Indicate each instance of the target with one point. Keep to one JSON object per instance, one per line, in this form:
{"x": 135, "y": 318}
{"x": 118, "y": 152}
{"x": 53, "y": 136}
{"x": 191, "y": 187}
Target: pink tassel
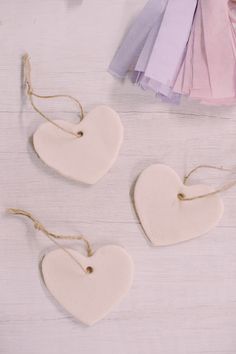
{"x": 208, "y": 72}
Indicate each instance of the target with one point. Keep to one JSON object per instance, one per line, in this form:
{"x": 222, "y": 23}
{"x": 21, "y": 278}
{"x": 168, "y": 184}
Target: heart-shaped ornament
{"x": 88, "y": 157}
{"x": 88, "y": 296}
{"x": 165, "y": 218}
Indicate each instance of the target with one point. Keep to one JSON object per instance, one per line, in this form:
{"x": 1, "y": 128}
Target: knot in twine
{"x": 52, "y": 236}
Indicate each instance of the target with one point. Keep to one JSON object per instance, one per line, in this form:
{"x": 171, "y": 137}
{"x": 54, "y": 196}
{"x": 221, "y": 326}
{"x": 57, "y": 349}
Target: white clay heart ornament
{"x": 86, "y": 158}
{"x": 88, "y": 296}
{"x": 165, "y": 218}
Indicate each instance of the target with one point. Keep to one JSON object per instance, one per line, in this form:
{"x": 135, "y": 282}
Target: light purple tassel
{"x": 170, "y": 46}
{"x": 130, "y": 49}
{"x": 154, "y": 47}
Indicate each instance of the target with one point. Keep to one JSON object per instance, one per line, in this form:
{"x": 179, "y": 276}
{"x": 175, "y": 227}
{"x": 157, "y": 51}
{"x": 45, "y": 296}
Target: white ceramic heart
{"x": 87, "y": 158}
{"x": 167, "y": 220}
{"x": 88, "y": 297}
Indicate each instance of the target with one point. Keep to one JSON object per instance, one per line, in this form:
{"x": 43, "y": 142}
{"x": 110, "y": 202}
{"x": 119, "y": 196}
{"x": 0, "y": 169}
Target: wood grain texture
{"x": 183, "y": 300}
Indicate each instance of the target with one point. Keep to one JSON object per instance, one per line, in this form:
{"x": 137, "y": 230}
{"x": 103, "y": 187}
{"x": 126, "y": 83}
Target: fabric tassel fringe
{"x": 182, "y": 48}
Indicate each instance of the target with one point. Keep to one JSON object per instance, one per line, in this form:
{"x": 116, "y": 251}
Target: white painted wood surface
{"x": 183, "y": 300}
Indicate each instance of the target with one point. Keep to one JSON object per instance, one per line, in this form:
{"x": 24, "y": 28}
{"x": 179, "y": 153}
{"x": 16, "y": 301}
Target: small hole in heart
{"x": 80, "y": 134}
{"x": 89, "y": 270}
{"x": 181, "y": 196}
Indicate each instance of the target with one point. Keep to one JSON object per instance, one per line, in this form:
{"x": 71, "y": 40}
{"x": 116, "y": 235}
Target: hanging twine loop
{"x": 227, "y": 186}
{"x": 30, "y": 93}
{"x": 54, "y": 237}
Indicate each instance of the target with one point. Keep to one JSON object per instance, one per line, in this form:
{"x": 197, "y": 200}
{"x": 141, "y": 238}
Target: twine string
{"x": 30, "y": 92}
{"x": 224, "y": 188}
{"x": 54, "y": 237}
